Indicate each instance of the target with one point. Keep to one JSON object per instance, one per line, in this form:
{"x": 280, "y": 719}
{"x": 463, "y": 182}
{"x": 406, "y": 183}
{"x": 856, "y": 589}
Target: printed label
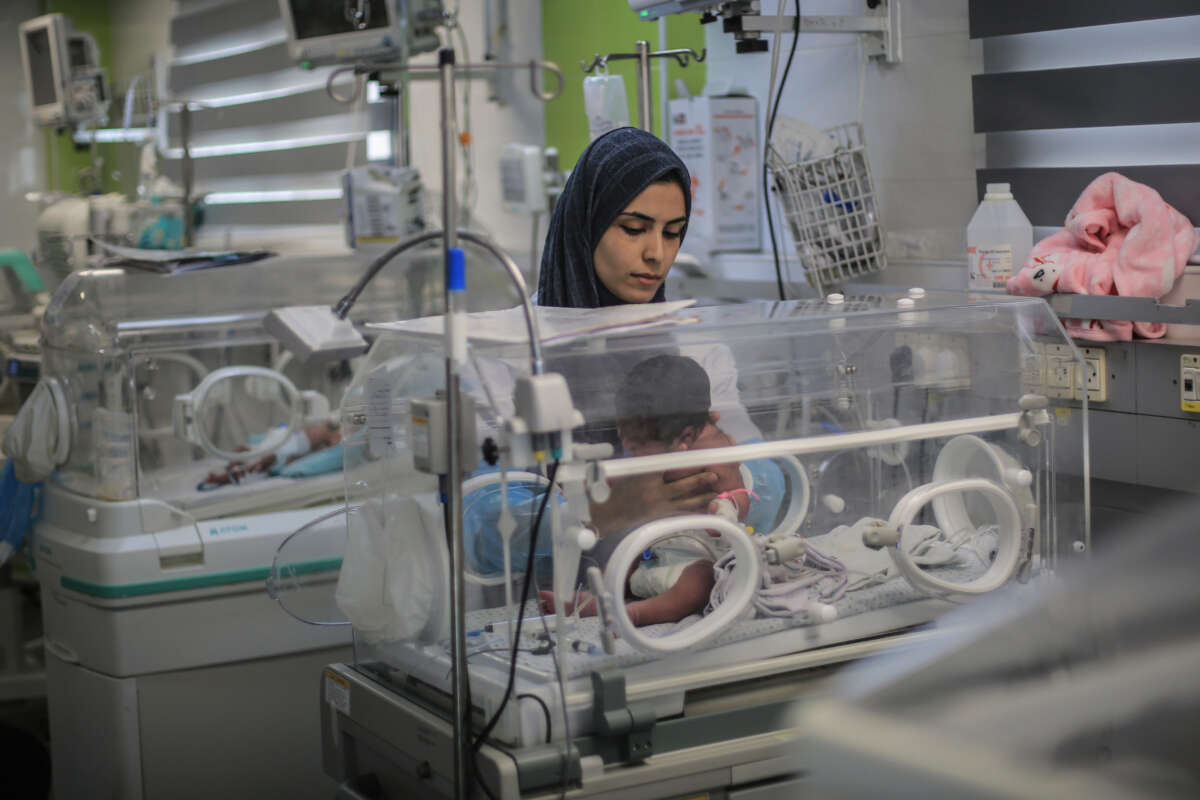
{"x": 990, "y": 265}
{"x": 337, "y": 692}
{"x": 379, "y": 414}
{"x": 1062, "y": 416}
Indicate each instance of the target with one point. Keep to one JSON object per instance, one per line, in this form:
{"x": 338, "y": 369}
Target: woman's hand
{"x": 641, "y": 498}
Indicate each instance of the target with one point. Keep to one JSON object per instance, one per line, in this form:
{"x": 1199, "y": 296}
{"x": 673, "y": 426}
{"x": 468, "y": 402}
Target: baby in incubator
{"x": 663, "y": 406}
{"x": 308, "y": 440}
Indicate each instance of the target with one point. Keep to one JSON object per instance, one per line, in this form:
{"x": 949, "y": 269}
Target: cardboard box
{"x": 717, "y": 137}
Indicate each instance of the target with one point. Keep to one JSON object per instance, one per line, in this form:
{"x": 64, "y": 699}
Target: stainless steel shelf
{"x": 1135, "y": 309}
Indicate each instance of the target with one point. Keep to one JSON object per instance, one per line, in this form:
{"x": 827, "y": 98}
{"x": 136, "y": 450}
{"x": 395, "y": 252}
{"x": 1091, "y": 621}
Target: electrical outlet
{"x": 1060, "y": 371}
{"x": 1033, "y": 368}
{"x": 1189, "y": 382}
{"x": 1095, "y": 378}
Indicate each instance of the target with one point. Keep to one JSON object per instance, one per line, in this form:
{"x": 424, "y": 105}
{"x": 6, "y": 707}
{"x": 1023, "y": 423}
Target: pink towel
{"x": 1122, "y": 238}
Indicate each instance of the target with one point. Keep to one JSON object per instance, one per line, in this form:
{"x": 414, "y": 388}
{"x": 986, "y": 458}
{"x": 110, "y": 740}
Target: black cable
{"x": 512, "y": 666}
{"x": 773, "y": 110}
{"x": 545, "y": 710}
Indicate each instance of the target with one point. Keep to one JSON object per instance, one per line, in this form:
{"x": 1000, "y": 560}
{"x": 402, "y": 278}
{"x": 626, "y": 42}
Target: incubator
{"x": 875, "y": 462}
{"x": 181, "y": 445}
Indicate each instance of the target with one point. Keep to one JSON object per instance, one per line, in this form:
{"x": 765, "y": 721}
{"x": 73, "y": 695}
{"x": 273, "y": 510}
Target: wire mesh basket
{"x": 830, "y": 204}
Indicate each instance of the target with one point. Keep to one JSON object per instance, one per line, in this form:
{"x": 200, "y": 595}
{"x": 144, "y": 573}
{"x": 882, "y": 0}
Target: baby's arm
{"x": 688, "y": 596}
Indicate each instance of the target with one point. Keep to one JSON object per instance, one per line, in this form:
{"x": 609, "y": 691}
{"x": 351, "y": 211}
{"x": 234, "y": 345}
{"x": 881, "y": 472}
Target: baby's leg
{"x": 688, "y": 596}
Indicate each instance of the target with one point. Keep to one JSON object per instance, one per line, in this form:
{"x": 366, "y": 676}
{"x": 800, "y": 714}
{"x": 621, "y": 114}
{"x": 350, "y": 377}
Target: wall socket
{"x": 1050, "y": 369}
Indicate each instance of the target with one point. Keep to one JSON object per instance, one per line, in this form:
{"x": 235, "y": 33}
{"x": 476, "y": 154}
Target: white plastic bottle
{"x": 999, "y": 238}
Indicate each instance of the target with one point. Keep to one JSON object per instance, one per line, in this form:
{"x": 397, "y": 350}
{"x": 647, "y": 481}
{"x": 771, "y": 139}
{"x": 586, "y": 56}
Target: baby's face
{"x": 729, "y": 476}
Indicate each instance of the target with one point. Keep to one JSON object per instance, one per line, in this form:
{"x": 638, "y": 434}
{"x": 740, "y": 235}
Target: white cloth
{"x": 392, "y": 582}
{"x": 865, "y": 566}
{"x": 35, "y": 441}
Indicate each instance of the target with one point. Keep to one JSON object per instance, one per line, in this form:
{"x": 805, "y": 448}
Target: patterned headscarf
{"x": 612, "y": 171}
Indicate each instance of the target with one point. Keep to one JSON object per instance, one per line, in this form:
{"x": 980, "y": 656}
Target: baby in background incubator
{"x": 663, "y": 406}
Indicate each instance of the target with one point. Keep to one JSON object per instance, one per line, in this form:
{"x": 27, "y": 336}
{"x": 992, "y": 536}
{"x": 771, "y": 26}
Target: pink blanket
{"x": 1122, "y": 238}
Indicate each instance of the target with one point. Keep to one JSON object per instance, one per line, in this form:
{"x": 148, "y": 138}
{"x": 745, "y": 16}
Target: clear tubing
{"x": 342, "y": 308}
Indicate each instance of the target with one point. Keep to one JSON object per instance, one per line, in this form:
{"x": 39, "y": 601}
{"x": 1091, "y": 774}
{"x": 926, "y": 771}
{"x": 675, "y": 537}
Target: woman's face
{"x": 636, "y": 252}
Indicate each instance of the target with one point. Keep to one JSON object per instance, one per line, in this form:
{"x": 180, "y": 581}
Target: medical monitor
{"x": 45, "y": 54}
{"x": 325, "y": 32}
{"x": 653, "y": 9}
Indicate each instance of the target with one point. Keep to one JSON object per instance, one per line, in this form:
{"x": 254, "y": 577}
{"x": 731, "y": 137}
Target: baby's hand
{"x": 587, "y": 604}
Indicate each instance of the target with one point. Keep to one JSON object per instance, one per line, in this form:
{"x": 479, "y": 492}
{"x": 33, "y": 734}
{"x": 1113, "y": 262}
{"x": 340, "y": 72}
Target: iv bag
{"x": 605, "y": 103}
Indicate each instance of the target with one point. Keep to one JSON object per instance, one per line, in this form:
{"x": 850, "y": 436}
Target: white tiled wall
{"x": 916, "y": 115}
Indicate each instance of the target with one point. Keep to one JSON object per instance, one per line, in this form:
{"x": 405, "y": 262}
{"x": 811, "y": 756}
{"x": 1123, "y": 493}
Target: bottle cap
{"x": 998, "y": 191}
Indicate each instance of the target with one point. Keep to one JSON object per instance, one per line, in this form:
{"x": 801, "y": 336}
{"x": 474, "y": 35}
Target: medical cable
{"x": 545, "y": 710}
{"x": 334, "y": 96}
{"x": 525, "y": 584}
{"x": 862, "y": 78}
{"x": 562, "y": 688}
{"x": 775, "y": 51}
{"x": 342, "y": 308}
{"x": 515, "y": 631}
{"x": 770, "y": 129}
{"x": 507, "y": 526}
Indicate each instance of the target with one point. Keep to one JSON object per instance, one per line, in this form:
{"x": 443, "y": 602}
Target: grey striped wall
{"x": 1074, "y": 88}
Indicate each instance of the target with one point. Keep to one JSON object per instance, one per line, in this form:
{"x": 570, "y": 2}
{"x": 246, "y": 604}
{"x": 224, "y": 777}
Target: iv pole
{"x": 643, "y": 55}
{"x": 455, "y": 346}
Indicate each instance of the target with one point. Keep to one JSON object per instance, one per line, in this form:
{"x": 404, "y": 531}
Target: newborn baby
{"x": 664, "y": 406}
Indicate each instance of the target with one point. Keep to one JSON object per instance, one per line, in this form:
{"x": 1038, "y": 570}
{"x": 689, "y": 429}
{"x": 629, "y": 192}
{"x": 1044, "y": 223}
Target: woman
{"x": 613, "y": 237}
{"x": 618, "y": 225}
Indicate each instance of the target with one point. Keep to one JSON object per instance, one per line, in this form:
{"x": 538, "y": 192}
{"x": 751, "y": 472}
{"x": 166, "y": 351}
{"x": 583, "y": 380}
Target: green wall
{"x": 63, "y": 159}
{"x": 577, "y": 30}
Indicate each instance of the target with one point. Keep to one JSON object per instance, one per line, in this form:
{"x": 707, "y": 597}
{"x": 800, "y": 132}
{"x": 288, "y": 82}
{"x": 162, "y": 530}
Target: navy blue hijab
{"x": 612, "y": 171}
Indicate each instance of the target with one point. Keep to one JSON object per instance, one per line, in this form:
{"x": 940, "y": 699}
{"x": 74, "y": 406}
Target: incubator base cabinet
{"x": 184, "y": 449}
{"x": 865, "y": 467}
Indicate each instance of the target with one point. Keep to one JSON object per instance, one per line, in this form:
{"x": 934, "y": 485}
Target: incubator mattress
{"x": 896, "y": 592}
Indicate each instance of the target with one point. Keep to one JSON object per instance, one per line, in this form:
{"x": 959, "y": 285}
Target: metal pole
{"x": 453, "y": 482}
{"x": 663, "y": 94}
{"x": 185, "y": 127}
{"x": 403, "y": 121}
{"x": 645, "y": 117}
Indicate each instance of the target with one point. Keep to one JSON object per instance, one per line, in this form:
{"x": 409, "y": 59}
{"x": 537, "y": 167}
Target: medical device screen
{"x": 78, "y": 53}
{"x": 41, "y": 67}
{"x": 314, "y": 18}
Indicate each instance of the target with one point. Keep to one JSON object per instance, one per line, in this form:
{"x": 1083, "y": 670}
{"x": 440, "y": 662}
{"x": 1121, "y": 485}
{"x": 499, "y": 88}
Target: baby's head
{"x": 663, "y": 405}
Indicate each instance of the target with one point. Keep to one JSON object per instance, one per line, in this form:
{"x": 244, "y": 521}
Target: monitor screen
{"x": 41, "y": 67}
{"x": 78, "y": 53}
{"x": 315, "y": 18}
